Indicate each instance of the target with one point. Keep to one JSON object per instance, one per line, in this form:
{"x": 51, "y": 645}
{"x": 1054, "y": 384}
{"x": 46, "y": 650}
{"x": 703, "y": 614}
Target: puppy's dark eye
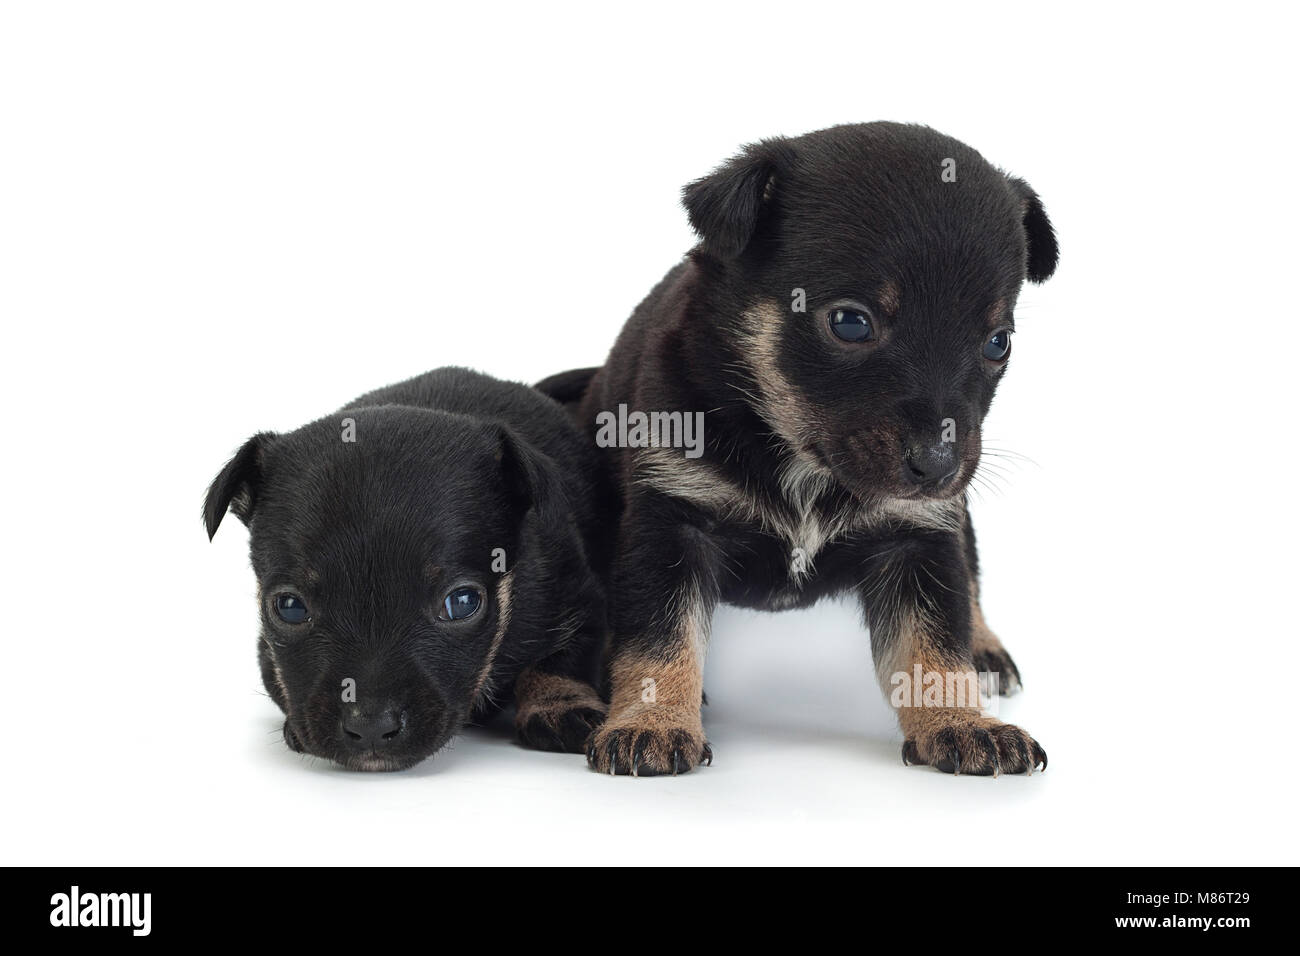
{"x": 460, "y": 604}
{"x": 998, "y": 347}
{"x": 852, "y": 325}
{"x": 291, "y": 609}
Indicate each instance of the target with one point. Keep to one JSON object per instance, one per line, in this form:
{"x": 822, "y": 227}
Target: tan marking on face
{"x": 997, "y": 313}
{"x": 779, "y": 403}
{"x": 889, "y": 298}
{"x": 483, "y": 687}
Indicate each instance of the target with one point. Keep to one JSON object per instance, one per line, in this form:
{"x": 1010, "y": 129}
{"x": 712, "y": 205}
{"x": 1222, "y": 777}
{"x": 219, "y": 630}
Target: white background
{"x": 224, "y": 218}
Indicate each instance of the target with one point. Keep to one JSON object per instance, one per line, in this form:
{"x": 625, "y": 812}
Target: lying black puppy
{"x": 842, "y": 325}
{"x": 419, "y": 554}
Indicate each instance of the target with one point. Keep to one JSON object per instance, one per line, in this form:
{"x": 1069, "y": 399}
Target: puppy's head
{"x": 379, "y": 538}
{"x": 868, "y": 276}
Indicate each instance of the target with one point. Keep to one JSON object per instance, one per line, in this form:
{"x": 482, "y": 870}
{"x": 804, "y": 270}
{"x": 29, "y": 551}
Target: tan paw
{"x": 649, "y": 749}
{"x": 556, "y": 713}
{"x": 562, "y": 731}
{"x": 967, "y": 743}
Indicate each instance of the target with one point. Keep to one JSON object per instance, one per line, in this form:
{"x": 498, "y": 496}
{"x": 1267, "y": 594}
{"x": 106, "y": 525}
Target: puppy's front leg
{"x": 918, "y": 602}
{"x": 555, "y": 709}
{"x": 663, "y": 600}
{"x": 989, "y": 655}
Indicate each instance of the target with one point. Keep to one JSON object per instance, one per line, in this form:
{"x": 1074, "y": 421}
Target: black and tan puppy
{"x": 842, "y": 324}
{"x": 421, "y": 554}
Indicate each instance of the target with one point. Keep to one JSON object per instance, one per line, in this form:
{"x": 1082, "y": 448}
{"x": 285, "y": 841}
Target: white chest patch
{"x": 804, "y": 530}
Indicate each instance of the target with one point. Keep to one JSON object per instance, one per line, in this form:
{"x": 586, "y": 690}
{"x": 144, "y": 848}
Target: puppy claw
{"x": 910, "y": 756}
{"x": 638, "y": 751}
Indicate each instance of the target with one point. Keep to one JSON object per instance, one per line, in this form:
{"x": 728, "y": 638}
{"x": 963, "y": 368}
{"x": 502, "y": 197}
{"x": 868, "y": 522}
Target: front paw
{"x": 560, "y": 731}
{"x": 971, "y": 744}
{"x": 647, "y": 750}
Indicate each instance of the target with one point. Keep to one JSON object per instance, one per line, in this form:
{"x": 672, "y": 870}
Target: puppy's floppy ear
{"x": 531, "y": 478}
{"x": 1039, "y": 234}
{"x": 237, "y": 485}
{"x": 726, "y": 206}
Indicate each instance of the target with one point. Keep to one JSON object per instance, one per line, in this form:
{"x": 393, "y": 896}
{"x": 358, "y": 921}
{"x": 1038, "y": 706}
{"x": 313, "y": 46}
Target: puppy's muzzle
{"x": 929, "y": 465}
{"x": 371, "y": 732}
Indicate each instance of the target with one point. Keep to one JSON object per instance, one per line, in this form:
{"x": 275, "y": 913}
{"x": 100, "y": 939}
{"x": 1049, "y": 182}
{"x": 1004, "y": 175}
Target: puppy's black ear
{"x": 237, "y": 486}
{"x": 531, "y": 478}
{"x": 1039, "y": 234}
{"x": 727, "y": 206}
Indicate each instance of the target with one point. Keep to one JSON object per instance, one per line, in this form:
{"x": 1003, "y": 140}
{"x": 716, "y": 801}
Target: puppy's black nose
{"x": 371, "y": 731}
{"x": 929, "y": 463}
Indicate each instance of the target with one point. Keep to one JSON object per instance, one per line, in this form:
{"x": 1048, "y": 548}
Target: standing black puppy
{"x": 843, "y": 323}
{"x": 419, "y": 555}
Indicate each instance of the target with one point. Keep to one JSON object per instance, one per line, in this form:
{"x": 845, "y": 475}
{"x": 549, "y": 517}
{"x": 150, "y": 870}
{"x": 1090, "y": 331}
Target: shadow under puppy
{"x": 842, "y": 324}
{"x": 419, "y": 555}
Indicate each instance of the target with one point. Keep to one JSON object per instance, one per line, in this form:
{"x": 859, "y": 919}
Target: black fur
{"x": 860, "y": 214}
{"x": 373, "y": 533}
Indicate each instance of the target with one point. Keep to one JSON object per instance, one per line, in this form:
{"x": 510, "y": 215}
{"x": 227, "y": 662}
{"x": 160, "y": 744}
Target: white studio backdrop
{"x": 218, "y": 219}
